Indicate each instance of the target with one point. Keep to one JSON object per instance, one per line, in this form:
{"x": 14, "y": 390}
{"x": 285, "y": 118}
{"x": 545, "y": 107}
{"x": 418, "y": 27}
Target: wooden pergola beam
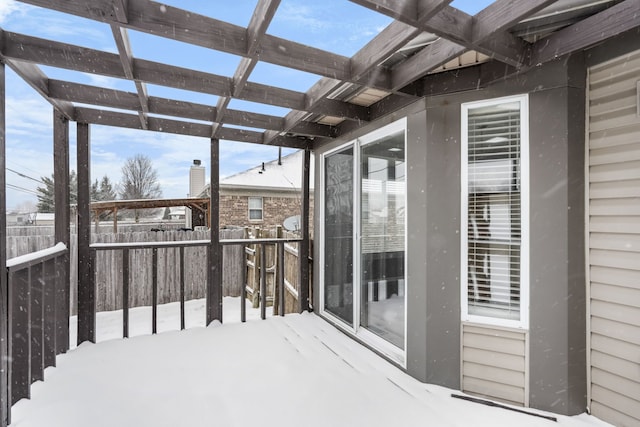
{"x": 499, "y": 14}
{"x": 35, "y": 50}
{"x": 260, "y": 20}
{"x": 610, "y": 22}
{"x": 188, "y": 27}
{"x": 365, "y": 62}
{"x": 35, "y": 78}
{"x": 110, "y": 205}
{"x": 485, "y": 33}
{"x": 117, "y": 119}
{"x": 126, "y": 57}
{"x": 113, "y": 98}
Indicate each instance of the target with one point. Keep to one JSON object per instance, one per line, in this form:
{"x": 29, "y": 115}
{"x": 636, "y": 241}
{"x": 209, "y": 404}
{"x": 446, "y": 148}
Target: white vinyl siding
{"x": 255, "y": 208}
{"x": 494, "y": 363}
{"x": 494, "y": 196}
{"x": 614, "y": 240}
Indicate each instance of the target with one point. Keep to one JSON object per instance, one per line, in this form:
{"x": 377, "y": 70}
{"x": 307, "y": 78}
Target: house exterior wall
{"x": 548, "y": 360}
{"x": 613, "y": 229}
{"x": 553, "y": 375}
{"x": 234, "y": 209}
{"x": 556, "y": 359}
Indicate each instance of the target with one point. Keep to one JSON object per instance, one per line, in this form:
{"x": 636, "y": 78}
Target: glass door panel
{"x": 338, "y": 235}
{"x": 382, "y": 243}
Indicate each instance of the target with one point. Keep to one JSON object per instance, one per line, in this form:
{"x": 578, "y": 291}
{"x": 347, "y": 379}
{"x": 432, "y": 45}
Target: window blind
{"x": 494, "y": 211}
{"x": 255, "y": 207}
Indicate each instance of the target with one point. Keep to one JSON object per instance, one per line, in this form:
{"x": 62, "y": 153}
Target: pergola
{"x": 429, "y": 48}
{"x": 113, "y": 206}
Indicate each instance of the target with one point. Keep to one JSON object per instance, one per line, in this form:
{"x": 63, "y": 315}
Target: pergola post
{"x": 303, "y": 294}
{"x": 86, "y": 276}
{"x": 5, "y": 406}
{"x": 62, "y": 221}
{"x": 214, "y": 278}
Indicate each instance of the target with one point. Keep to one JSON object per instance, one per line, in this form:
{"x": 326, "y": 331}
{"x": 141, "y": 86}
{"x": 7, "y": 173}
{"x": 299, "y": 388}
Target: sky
{"x": 224, "y": 383}
{"x": 335, "y": 25}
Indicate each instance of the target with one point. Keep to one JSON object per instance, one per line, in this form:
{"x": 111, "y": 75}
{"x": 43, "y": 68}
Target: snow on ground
{"x": 296, "y": 370}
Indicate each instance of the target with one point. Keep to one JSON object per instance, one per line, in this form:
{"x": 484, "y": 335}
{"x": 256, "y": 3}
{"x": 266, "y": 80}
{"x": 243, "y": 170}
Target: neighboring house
{"x": 177, "y": 213}
{"x": 197, "y": 179}
{"x": 263, "y": 196}
{"x": 18, "y": 218}
{"x": 40, "y": 218}
{"x": 451, "y": 237}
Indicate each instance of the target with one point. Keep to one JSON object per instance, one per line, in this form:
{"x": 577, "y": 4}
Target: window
{"x": 255, "y": 208}
{"x": 495, "y": 212}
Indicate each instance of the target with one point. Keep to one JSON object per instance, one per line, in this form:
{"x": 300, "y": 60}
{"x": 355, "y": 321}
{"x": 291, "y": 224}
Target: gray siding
{"x": 494, "y": 363}
{"x": 614, "y": 240}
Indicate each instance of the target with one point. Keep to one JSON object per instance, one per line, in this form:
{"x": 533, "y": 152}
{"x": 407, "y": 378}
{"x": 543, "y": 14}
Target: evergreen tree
{"x": 46, "y": 202}
{"x": 103, "y": 191}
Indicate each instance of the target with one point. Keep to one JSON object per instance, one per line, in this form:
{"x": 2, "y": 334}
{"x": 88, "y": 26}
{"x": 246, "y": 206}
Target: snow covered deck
{"x": 296, "y": 370}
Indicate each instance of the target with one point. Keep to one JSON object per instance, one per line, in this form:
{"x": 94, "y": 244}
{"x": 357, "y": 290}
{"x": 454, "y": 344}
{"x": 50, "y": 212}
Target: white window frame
{"x": 384, "y": 347}
{"x": 249, "y": 209}
{"x": 523, "y": 322}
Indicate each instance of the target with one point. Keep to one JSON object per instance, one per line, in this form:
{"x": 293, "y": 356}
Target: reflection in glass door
{"x": 338, "y": 235}
{"x": 382, "y": 243}
{"x": 363, "y": 265}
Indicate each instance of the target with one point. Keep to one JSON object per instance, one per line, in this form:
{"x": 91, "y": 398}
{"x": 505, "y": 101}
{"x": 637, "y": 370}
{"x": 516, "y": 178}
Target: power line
{"x": 25, "y": 167}
{"x": 22, "y": 189}
{"x": 24, "y": 176}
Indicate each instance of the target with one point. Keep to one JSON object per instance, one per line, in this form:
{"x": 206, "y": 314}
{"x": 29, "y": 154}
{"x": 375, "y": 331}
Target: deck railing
{"x": 38, "y": 302}
{"x": 181, "y": 245}
{"x": 38, "y": 318}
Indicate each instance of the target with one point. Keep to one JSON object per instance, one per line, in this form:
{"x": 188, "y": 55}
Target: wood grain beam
{"x": 112, "y": 98}
{"x": 120, "y": 10}
{"x": 188, "y": 27}
{"x": 460, "y": 28}
{"x": 365, "y": 62}
{"x": 35, "y": 78}
{"x": 491, "y": 40}
{"x": 260, "y": 20}
{"x": 32, "y": 49}
{"x": 117, "y": 119}
{"x": 126, "y": 57}
{"x": 610, "y": 22}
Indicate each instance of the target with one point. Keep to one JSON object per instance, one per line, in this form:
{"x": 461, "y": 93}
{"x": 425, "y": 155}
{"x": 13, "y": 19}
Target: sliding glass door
{"x": 338, "y": 235}
{"x": 364, "y": 237}
{"x": 382, "y": 202}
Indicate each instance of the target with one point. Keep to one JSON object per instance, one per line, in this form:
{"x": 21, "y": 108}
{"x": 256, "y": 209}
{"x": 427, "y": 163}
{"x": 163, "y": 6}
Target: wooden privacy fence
{"x": 181, "y": 269}
{"x": 265, "y": 266}
{"x": 38, "y": 319}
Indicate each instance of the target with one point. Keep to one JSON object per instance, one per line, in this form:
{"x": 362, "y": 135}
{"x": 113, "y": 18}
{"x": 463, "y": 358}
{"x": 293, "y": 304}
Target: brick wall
{"x": 234, "y": 210}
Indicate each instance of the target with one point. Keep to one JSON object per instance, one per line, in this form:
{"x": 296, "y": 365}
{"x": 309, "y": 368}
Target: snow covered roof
{"x": 286, "y": 176}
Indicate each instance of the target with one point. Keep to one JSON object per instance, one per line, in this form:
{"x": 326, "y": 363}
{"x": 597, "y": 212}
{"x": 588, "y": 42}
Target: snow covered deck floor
{"x": 292, "y": 371}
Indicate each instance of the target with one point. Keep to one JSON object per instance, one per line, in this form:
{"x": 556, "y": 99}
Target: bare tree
{"x": 139, "y": 180}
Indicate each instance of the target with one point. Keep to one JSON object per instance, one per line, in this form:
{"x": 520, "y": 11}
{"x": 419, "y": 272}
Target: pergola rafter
{"x": 387, "y": 72}
{"x": 126, "y": 56}
{"x": 260, "y": 20}
{"x": 590, "y": 31}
